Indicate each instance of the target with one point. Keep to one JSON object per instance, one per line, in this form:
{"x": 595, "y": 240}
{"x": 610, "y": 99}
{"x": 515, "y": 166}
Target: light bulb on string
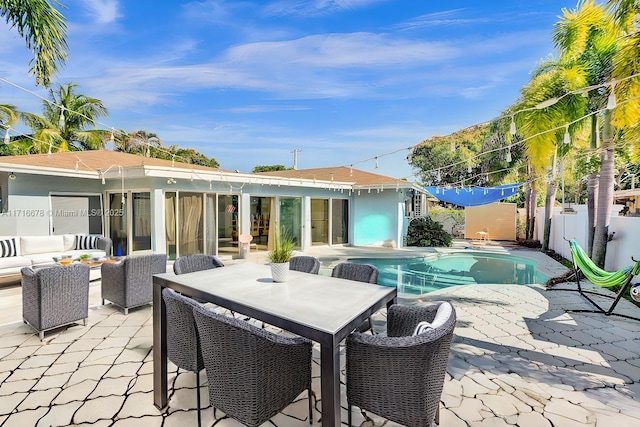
{"x": 49, "y": 153}
{"x": 469, "y": 170}
{"x": 112, "y": 137}
{"x": 7, "y": 136}
{"x": 61, "y": 119}
{"x": 567, "y": 137}
{"x": 376, "y": 162}
{"x": 509, "y": 155}
{"x": 611, "y": 100}
{"x": 512, "y": 128}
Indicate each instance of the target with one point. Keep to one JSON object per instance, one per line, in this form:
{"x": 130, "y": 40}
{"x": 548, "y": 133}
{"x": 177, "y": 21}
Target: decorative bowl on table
{"x": 65, "y": 261}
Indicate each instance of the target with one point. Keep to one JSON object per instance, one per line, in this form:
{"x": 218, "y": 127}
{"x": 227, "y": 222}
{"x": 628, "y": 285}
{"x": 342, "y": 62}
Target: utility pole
{"x": 295, "y": 157}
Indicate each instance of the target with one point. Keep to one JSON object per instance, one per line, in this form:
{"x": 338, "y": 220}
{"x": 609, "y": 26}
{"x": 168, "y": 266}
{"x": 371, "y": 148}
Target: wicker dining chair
{"x": 353, "y": 271}
{"x": 183, "y": 345}
{"x": 129, "y": 283}
{"x": 55, "y": 296}
{"x": 195, "y": 262}
{"x": 366, "y": 273}
{"x": 253, "y": 374}
{"x": 305, "y": 264}
{"x": 400, "y": 377}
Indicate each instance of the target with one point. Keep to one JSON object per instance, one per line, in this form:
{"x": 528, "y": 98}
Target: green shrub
{"x": 427, "y": 232}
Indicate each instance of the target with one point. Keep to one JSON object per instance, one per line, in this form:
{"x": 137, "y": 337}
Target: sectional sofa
{"x": 38, "y": 251}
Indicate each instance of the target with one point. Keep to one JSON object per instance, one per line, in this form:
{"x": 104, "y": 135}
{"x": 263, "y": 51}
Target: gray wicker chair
{"x": 183, "y": 345}
{"x": 55, "y": 296}
{"x": 195, "y": 262}
{"x": 305, "y": 264}
{"x": 104, "y": 243}
{"x": 129, "y": 283}
{"x": 360, "y": 273}
{"x": 253, "y": 374}
{"x": 400, "y": 377}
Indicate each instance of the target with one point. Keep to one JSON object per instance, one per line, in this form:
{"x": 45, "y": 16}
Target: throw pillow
{"x": 442, "y": 314}
{"x": 86, "y": 242}
{"x": 8, "y": 248}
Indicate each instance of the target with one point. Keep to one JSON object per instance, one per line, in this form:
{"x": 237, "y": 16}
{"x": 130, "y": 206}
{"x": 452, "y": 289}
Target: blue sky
{"x": 247, "y": 82}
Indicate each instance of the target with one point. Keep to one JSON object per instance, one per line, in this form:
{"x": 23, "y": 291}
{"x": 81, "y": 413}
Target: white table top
{"x": 324, "y": 303}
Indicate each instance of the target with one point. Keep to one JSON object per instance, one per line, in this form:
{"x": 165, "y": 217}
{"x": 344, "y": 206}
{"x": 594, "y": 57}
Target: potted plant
{"x": 280, "y": 256}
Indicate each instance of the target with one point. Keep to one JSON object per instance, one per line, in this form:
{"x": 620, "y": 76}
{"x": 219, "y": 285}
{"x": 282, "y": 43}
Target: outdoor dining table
{"x": 321, "y": 308}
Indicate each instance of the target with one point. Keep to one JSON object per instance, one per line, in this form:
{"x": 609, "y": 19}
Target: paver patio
{"x": 517, "y": 359}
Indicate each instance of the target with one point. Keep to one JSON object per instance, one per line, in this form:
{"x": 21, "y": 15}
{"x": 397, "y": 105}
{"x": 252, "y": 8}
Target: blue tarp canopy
{"x": 473, "y": 196}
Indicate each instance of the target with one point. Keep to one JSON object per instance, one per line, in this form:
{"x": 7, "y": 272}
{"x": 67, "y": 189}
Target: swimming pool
{"x": 419, "y": 275}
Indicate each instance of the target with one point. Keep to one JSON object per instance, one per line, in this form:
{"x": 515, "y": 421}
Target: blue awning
{"x": 473, "y": 196}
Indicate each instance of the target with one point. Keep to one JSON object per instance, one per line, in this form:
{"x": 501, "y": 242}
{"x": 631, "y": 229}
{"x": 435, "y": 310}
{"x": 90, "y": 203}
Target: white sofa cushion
{"x": 41, "y": 244}
{"x": 69, "y": 242}
{"x": 14, "y": 262}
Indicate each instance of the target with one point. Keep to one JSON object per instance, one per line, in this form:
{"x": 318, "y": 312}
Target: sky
{"x": 249, "y": 82}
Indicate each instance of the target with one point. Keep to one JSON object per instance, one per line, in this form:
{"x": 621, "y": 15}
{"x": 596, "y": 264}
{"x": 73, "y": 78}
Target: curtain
{"x": 190, "y": 224}
{"x": 273, "y": 223}
{"x": 170, "y": 217}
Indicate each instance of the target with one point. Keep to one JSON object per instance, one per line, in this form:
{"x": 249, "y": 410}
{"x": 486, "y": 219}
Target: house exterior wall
{"x": 376, "y": 218}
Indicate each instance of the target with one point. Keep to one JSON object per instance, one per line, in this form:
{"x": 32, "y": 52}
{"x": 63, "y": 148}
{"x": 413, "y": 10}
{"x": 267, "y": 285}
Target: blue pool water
{"x": 419, "y": 275}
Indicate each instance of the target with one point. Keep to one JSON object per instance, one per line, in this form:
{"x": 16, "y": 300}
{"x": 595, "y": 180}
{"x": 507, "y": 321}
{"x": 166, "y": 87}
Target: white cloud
{"x": 103, "y": 11}
{"x": 314, "y": 7}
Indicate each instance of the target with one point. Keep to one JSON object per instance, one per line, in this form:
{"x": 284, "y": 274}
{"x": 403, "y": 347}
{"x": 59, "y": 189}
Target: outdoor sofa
{"x": 17, "y": 252}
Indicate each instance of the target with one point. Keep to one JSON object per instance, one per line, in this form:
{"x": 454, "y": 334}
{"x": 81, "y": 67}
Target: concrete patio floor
{"x": 517, "y": 359}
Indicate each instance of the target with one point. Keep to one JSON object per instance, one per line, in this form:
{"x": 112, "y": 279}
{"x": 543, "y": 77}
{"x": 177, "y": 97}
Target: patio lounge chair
{"x": 306, "y": 264}
{"x": 129, "y": 283}
{"x": 400, "y": 377}
{"x": 55, "y": 296}
{"x": 183, "y": 345}
{"x": 623, "y": 277}
{"x": 253, "y": 374}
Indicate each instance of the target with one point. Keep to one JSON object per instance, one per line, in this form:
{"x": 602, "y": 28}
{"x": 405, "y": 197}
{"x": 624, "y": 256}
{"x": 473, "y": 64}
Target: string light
{"x": 112, "y": 137}
{"x": 7, "y": 137}
{"x": 61, "y": 119}
{"x": 49, "y": 153}
{"x": 509, "y": 155}
{"x": 512, "y": 127}
{"x": 567, "y": 137}
{"x": 376, "y": 162}
{"x": 611, "y": 100}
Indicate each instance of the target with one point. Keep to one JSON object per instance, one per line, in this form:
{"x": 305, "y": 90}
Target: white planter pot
{"x": 280, "y": 272}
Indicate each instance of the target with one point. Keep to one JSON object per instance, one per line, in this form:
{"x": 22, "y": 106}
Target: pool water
{"x": 419, "y": 275}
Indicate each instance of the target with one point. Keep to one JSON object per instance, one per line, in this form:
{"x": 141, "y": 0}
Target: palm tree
{"x": 588, "y": 36}
{"x": 45, "y": 32}
{"x": 553, "y": 79}
{"x": 64, "y": 121}
{"x": 9, "y": 116}
{"x": 137, "y": 142}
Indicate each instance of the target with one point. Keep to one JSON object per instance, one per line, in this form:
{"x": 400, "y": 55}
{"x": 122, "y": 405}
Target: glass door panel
{"x": 339, "y": 221}
{"x": 170, "y": 223}
{"x": 319, "y": 221}
{"x": 118, "y": 223}
{"x": 291, "y": 218}
{"x": 141, "y": 221}
{"x": 228, "y": 223}
{"x": 260, "y": 214}
{"x": 210, "y": 224}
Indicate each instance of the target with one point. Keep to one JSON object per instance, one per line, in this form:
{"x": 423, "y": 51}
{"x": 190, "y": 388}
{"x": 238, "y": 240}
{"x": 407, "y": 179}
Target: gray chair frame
{"x": 305, "y": 264}
{"x": 195, "y": 262}
{"x": 55, "y": 296}
{"x": 104, "y": 243}
{"x": 400, "y": 377}
{"x": 183, "y": 344}
{"x": 129, "y": 283}
{"x": 253, "y": 374}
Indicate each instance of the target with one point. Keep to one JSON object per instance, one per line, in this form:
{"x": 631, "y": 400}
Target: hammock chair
{"x": 605, "y": 279}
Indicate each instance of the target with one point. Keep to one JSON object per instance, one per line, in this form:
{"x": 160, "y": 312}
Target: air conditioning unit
{"x": 417, "y": 206}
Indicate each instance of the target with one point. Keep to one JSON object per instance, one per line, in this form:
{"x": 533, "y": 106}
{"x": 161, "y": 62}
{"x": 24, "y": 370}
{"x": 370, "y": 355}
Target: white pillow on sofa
{"x": 86, "y": 241}
{"x": 442, "y": 314}
{"x": 40, "y": 244}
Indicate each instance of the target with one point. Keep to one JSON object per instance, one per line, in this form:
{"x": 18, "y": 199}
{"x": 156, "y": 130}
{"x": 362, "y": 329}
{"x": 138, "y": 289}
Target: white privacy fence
{"x": 624, "y": 245}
